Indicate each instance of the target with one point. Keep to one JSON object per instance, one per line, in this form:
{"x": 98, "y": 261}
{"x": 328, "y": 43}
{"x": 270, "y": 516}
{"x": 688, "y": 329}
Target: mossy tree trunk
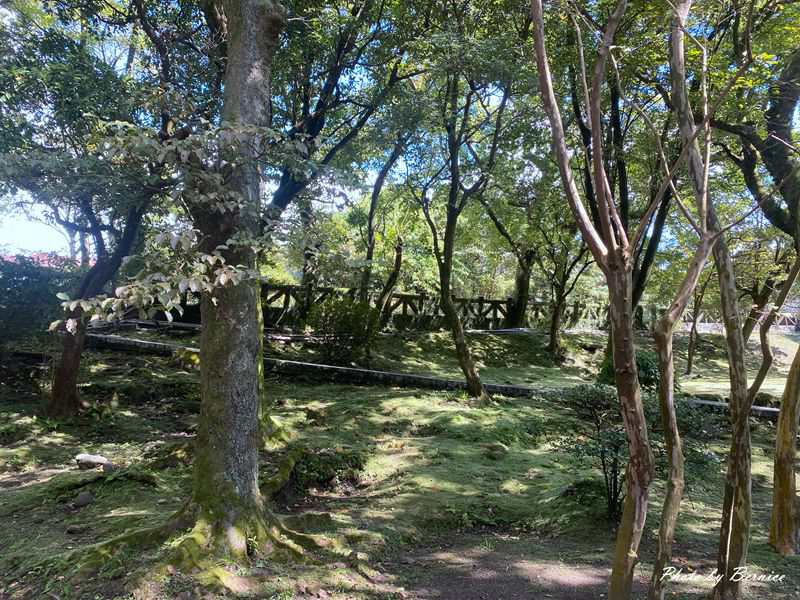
{"x": 64, "y": 400}
{"x": 518, "y": 307}
{"x": 226, "y": 499}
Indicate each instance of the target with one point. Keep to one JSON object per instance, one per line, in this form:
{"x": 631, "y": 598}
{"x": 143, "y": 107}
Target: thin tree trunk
{"x": 766, "y": 349}
{"x": 463, "y": 354}
{"x": 639, "y": 472}
{"x": 664, "y": 333}
{"x": 554, "y": 345}
{"x": 366, "y": 274}
{"x": 385, "y": 297}
{"x": 785, "y": 521}
{"x": 517, "y": 310}
{"x": 737, "y": 504}
{"x": 694, "y": 335}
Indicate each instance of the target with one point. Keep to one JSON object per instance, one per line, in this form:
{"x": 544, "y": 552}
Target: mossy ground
{"x": 522, "y": 359}
{"x": 423, "y": 484}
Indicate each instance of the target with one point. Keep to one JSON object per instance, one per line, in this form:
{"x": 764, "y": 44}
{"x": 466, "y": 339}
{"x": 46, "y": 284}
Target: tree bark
{"x": 64, "y": 399}
{"x": 463, "y": 354}
{"x": 377, "y": 187}
{"x": 640, "y": 469}
{"x": 554, "y": 345}
{"x": 612, "y": 254}
{"x": 737, "y": 504}
{"x": 784, "y": 520}
{"x": 225, "y": 496}
{"x": 518, "y": 308}
{"x": 663, "y": 334}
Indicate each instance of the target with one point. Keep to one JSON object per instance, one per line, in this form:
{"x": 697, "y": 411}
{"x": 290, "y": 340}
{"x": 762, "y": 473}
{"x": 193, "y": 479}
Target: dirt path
{"x": 492, "y": 566}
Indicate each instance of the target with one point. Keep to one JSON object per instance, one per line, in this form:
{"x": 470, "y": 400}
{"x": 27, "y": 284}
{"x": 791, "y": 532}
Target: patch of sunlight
{"x": 121, "y": 512}
{"x": 513, "y": 486}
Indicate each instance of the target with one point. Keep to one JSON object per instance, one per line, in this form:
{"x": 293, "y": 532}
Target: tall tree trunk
{"x": 366, "y": 274}
{"x": 225, "y": 496}
{"x": 664, "y": 332}
{"x": 518, "y": 308}
{"x": 785, "y": 521}
{"x": 385, "y": 297}
{"x": 737, "y": 503}
{"x": 554, "y": 345}
{"x": 639, "y": 472}
{"x": 463, "y": 354}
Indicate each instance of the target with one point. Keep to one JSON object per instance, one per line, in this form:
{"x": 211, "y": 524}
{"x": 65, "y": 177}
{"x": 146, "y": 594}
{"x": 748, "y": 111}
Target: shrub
{"x": 603, "y": 442}
{"x": 646, "y": 365}
{"x": 28, "y": 289}
{"x": 328, "y": 467}
{"x": 346, "y": 329}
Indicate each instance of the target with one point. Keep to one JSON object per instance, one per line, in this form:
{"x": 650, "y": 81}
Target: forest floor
{"x": 426, "y": 494}
{"x": 523, "y": 359}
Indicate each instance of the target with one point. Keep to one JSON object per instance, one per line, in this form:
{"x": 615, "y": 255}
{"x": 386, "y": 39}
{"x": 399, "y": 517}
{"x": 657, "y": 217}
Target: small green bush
{"x": 28, "y": 289}
{"x": 601, "y": 441}
{"x": 345, "y": 327}
{"x": 328, "y": 467}
{"x": 646, "y": 365}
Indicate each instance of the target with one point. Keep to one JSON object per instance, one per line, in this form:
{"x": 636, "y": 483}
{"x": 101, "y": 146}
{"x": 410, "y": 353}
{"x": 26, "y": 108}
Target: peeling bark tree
{"x": 612, "y": 251}
{"x": 699, "y": 164}
{"x": 784, "y": 520}
{"x": 777, "y": 154}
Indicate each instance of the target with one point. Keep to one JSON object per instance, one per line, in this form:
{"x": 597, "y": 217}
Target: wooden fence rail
{"x": 287, "y": 305}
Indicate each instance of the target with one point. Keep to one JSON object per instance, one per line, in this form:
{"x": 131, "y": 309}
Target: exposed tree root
{"x": 199, "y": 544}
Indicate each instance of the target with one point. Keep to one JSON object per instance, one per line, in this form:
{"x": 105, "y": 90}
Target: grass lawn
{"x": 522, "y": 359}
